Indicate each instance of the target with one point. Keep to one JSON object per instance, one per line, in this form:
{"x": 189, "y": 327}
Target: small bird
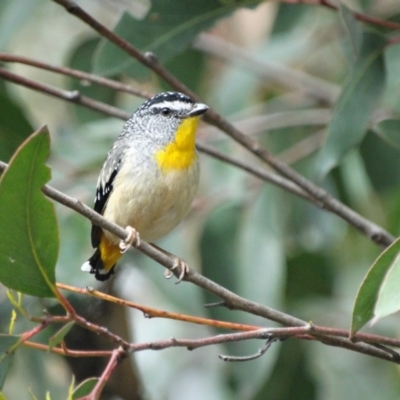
{"x": 149, "y": 177}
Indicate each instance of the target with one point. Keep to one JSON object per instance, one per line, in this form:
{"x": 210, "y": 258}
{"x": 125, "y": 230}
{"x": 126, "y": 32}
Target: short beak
{"x": 197, "y": 110}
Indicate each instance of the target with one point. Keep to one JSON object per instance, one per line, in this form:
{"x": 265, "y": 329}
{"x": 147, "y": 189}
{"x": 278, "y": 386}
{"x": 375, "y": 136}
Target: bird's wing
{"x": 105, "y": 186}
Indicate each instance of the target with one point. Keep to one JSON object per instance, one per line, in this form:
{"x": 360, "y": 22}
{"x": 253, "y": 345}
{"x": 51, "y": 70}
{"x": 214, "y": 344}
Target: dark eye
{"x": 165, "y": 111}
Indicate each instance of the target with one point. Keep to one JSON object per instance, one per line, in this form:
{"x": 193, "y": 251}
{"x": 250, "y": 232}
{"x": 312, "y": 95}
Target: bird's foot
{"x": 178, "y": 263}
{"x": 132, "y": 239}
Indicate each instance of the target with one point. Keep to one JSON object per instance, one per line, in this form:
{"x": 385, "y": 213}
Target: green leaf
{"x": 261, "y": 277}
{"x": 382, "y": 163}
{"x": 81, "y": 59}
{"x": 218, "y": 247}
{"x": 388, "y": 301}
{"x": 167, "y": 30}
{"x": 14, "y": 126}
{"x": 6, "y": 353}
{"x": 353, "y": 28}
{"x": 189, "y": 68}
{"x": 355, "y": 105}
{"x": 288, "y": 17}
{"x": 84, "y": 388}
{"x": 28, "y": 230}
{"x": 367, "y": 296}
{"x": 2, "y": 397}
{"x": 58, "y": 337}
{"x": 389, "y": 130}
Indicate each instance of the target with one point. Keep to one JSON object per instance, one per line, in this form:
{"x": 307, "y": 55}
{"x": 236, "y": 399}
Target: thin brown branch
{"x": 71, "y": 96}
{"x": 370, "y": 229}
{"x": 261, "y": 173}
{"x": 359, "y": 16}
{"x": 363, "y": 17}
{"x": 117, "y": 357}
{"x": 67, "y": 352}
{"x": 303, "y": 332}
{"x": 74, "y": 73}
{"x": 150, "y": 312}
{"x": 147, "y": 59}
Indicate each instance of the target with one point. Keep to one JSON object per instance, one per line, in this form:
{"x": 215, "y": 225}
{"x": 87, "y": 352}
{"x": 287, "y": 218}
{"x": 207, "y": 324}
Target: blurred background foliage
{"x": 275, "y": 70}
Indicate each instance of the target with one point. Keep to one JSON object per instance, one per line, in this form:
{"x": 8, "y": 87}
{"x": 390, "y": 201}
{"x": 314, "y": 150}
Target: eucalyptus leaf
{"x": 353, "y": 28}
{"x": 166, "y": 31}
{"x": 28, "y": 230}
{"x": 369, "y": 291}
{"x": 58, "y": 337}
{"x": 84, "y": 388}
{"x": 355, "y": 105}
{"x": 14, "y": 126}
{"x": 388, "y": 301}
{"x": 218, "y": 250}
{"x": 389, "y": 130}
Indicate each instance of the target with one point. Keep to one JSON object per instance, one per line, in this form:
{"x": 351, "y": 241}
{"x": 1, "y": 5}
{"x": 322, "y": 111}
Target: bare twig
{"x": 77, "y": 74}
{"x": 150, "y": 312}
{"x": 71, "y": 96}
{"x": 68, "y": 352}
{"x": 301, "y": 332}
{"x": 260, "y": 352}
{"x": 360, "y": 16}
{"x": 117, "y": 356}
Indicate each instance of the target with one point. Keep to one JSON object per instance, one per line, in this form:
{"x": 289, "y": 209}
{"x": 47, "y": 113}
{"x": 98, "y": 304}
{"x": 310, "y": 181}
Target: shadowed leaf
{"x": 355, "y": 105}
{"x": 58, "y": 337}
{"x": 389, "y": 130}
{"x": 6, "y": 353}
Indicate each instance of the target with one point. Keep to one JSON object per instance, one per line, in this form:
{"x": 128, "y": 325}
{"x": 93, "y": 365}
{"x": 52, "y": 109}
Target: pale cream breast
{"x": 154, "y": 202}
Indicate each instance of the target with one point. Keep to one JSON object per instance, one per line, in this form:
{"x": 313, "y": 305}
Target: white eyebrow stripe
{"x": 175, "y": 105}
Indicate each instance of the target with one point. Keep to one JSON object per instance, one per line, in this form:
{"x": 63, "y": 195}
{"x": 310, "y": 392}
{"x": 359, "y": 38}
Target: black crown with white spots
{"x": 166, "y": 97}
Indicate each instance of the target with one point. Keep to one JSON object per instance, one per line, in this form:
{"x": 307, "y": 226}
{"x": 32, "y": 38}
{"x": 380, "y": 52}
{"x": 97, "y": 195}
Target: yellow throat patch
{"x": 181, "y": 153}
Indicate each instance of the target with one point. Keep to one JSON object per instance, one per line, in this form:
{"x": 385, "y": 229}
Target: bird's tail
{"x": 103, "y": 260}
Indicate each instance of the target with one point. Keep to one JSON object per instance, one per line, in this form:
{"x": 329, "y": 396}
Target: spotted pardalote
{"x": 149, "y": 178}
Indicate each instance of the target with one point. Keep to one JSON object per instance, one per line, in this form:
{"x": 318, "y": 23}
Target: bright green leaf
{"x": 28, "y": 230}
{"x": 2, "y": 397}
{"x": 356, "y": 104}
{"x": 84, "y": 388}
{"x": 58, "y": 337}
{"x": 389, "y": 130}
{"x": 367, "y": 296}
{"x": 167, "y": 30}
{"x": 6, "y": 344}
